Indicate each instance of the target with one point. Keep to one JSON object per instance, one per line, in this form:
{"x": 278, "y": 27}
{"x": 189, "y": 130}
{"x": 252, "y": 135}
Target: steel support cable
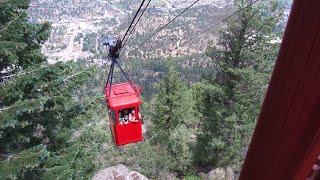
{"x": 218, "y": 23}
{"x": 108, "y": 78}
{"x": 134, "y": 18}
{"x": 164, "y": 26}
{"x": 127, "y": 77}
{"x": 111, "y": 73}
{"x": 134, "y": 27}
{"x": 111, "y": 77}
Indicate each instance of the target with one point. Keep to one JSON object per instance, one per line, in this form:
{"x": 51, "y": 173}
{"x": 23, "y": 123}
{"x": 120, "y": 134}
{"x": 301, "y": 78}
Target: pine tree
{"x": 173, "y": 111}
{"x": 39, "y": 108}
{"x": 230, "y": 100}
{"x": 170, "y": 106}
{"x": 20, "y": 41}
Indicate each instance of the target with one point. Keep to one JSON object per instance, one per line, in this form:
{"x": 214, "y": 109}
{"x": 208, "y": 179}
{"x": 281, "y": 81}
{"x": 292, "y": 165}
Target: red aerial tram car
{"x": 123, "y": 101}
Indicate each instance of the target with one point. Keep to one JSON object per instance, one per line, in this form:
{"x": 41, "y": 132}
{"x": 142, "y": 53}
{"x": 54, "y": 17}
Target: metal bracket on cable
{"x": 114, "y": 45}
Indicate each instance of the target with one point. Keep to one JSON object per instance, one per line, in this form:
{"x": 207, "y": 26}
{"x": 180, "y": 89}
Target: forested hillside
{"x": 200, "y": 105}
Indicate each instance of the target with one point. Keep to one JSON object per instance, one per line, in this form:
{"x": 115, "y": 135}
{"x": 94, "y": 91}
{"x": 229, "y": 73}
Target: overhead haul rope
{"x": 134, "y": 27}
{"x": 128, "y": 32}
{"x": 203, "y": 32}
{"x": 164, "y": 26}
{"x": 134, "y": 18}
{"x": 124, "y": 39}
{"x": 160, "y": 29}
{"x": 218, "y": 23}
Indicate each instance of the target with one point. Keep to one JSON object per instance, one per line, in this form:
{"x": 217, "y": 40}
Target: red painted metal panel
{"x": 124, "y": 96}
{"x": 123, "y": 102}
{"x": 315, "y": 174}
{"x": 286, "y": 141}
{"x": 128, "y": 133}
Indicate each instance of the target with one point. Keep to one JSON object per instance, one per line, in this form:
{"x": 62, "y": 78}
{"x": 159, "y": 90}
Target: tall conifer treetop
{"x": 20, "y": 40}
{"x": 40, "y": 108}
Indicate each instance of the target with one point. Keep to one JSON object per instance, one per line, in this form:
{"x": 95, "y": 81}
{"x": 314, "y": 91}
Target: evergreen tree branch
{"x": 76, "y": 74}
{"x": 4, "y": 109}
{"x": 8, "y": 25}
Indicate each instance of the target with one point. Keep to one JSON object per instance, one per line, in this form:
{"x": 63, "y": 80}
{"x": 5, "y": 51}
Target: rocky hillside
{"x": 80, "y": 26}
{"x": 121, "y": 172}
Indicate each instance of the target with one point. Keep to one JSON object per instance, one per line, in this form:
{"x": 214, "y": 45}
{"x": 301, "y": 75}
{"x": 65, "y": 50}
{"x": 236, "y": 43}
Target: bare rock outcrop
{"x": 221, "y": 174}
{"x": 119, "y": 172}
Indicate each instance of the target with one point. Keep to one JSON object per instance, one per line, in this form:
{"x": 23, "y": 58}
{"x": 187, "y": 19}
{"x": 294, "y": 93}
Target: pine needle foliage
{"x": 41, "y": 109}
{"x": 170, "y": 105}
{"x": 21, "y": 163}
{"x": 230, "y": 100}
{"x": 173, "y": 111}
{"x": 20, "y": 40}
